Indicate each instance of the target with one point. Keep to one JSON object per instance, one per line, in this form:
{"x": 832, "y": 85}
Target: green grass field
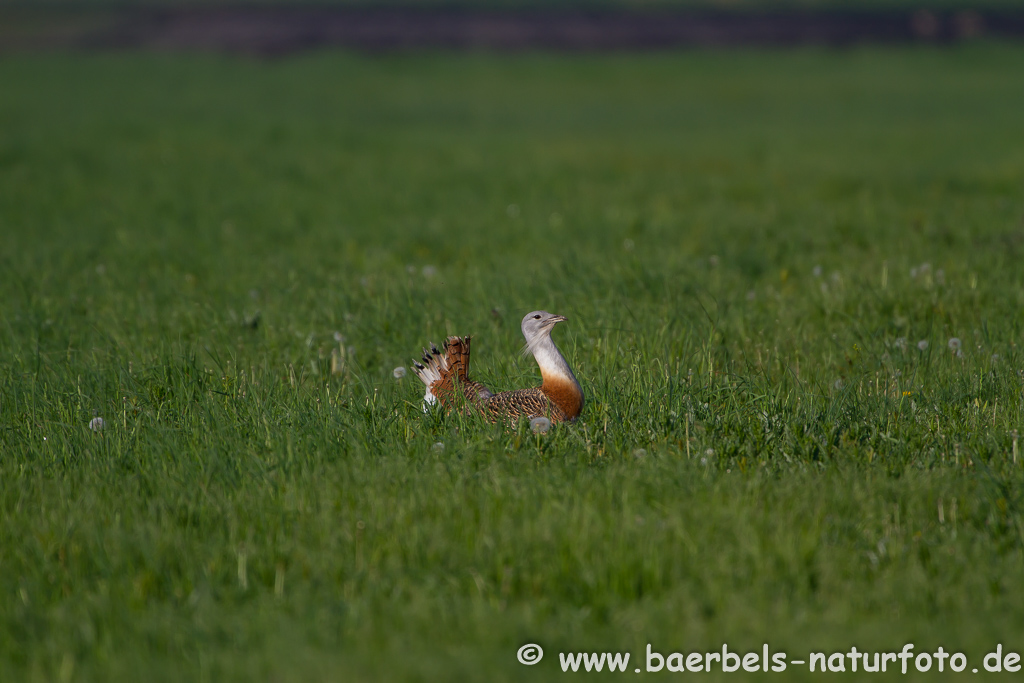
{"x": 764, "y": 256}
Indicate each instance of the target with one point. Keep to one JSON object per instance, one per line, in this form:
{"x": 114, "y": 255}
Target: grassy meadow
{"x": 796, "y": 297}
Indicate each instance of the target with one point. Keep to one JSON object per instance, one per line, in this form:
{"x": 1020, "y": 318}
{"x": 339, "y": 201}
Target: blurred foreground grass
{"x": 795, "y": 298}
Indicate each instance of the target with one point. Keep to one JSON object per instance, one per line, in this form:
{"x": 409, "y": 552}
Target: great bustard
{"x": 559, "y": 397}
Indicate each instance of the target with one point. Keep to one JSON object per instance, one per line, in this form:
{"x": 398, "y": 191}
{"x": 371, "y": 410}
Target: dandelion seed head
{"x": 512, "y": 210}
{"x": 339, "y": 337}
{"x": 540, "y": 425}
{"x": 751, "y": 295}
{"x": 713, "y": 261}
{"x": 817, "y": 271}
{"x": 954, "y": 344}
{"x": 628, "y": 244}
{"x": 709, "y": 452}
{"x": 901, "y": 343}
{"x": 923, "y": 344}
{"x": 639, "y": 453}
{"x": 438, "y": 447}
{"x": 838, "y": 384}
{"x": 97, "y": 424}
{"x": 398, "y": 373}
{"x": 429, "y": 272}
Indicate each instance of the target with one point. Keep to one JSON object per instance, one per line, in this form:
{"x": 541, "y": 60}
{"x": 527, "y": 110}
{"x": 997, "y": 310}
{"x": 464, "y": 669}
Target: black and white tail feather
{"x": 433, "y": 368}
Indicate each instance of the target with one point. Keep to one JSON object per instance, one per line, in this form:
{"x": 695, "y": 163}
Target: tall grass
{"x": 765, "y": 257}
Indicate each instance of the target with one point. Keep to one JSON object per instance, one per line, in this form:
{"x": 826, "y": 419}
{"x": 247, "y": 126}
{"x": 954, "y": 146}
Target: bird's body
{"x": 559, "y": 398}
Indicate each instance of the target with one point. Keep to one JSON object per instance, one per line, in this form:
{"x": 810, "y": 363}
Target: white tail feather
{"x": 430, "y": 371}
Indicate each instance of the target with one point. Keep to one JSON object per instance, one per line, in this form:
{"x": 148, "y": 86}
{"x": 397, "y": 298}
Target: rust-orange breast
{"x": 565, "y": 394}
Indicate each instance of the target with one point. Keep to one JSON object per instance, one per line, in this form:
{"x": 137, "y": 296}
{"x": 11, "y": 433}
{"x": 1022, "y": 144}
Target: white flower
{"x": 954, "y": 344}
{"x": 923, "y": 344}
{"x": 540, "y": 425}
{"x": 437, "y": 447}
{"x": 398, "y": 373}
{"x": 97, "y": 424}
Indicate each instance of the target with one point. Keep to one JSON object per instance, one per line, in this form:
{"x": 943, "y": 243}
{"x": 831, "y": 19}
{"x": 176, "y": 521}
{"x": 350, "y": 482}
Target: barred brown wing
{"x": 523, "y": 403}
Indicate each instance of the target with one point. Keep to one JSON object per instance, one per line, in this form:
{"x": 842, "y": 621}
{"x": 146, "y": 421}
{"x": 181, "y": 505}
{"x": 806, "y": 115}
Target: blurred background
{"x": 284, "y": 26}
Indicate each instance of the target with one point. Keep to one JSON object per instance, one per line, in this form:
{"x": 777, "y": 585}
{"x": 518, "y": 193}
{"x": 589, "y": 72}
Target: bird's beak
{"x": 555, "y": 319}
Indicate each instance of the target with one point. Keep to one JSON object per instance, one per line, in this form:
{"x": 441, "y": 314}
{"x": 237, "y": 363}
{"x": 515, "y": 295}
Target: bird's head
{"x": 538, "y": 324}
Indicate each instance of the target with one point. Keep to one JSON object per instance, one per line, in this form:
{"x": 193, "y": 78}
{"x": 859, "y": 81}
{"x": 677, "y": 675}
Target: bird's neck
{"x": 560, "y": 384}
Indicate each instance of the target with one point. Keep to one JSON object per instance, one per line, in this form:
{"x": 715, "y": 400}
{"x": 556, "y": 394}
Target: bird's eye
{"x": 536, "y": 317}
